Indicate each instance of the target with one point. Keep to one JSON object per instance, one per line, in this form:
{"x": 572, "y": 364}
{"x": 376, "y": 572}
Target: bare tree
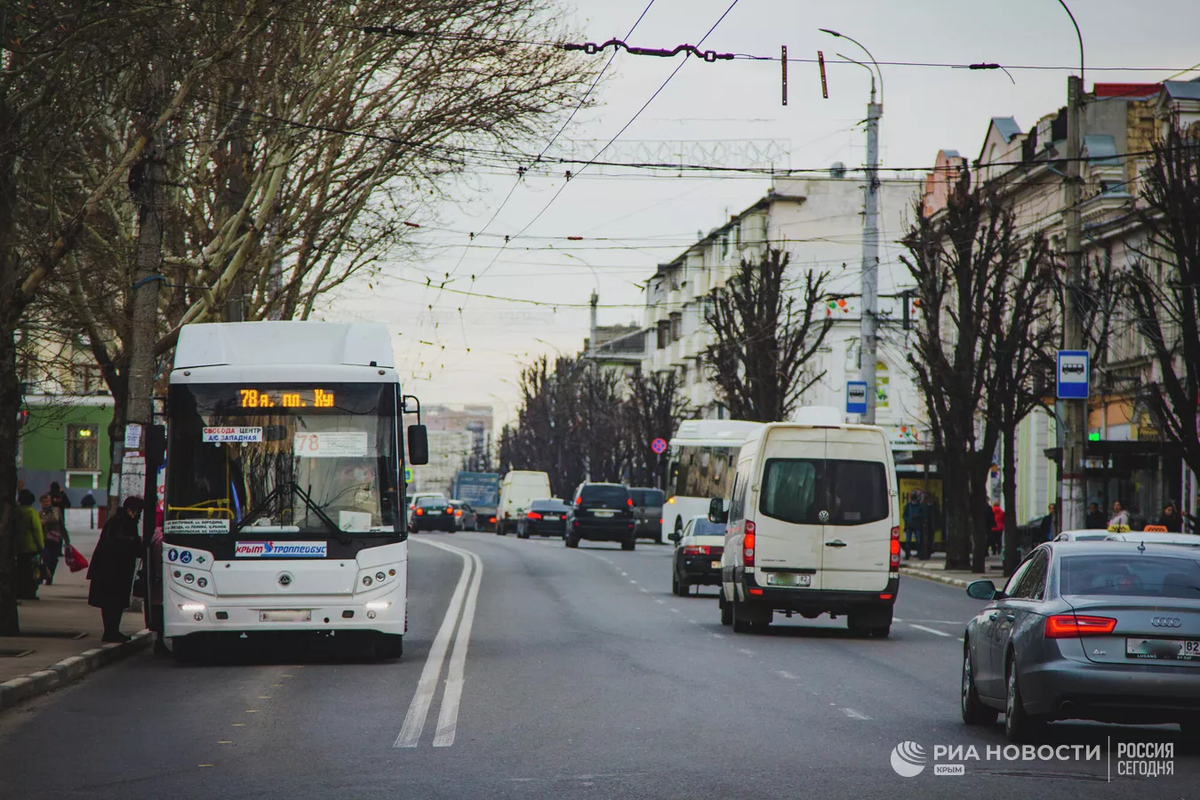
{"x": 654, "y": 406}
{"x": 1027, "y": 334}
{"x": 962, "y": 260}
{"x": 766, "y": 327}
{"x": 1163, "y": 288}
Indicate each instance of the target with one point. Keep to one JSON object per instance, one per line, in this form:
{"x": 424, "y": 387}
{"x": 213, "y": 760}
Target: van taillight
{"x": 748, "y": 545}
{"x": 895, "y": 548}
{"x": 629, "y": 500}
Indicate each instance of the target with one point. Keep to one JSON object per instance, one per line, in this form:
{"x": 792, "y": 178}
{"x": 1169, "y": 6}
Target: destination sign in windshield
{"x": 286, "y": 398}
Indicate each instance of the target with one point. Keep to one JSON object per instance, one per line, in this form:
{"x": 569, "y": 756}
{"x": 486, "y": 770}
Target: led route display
{"x": 291, "y": 398}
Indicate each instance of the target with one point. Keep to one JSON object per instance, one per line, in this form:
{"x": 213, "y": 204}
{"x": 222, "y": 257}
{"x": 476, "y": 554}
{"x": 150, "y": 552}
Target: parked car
{"x": 518, "y": 489}
{"x": 602, "y": 512}
{"x": 434, "y": 514}
{"x": 1085, "y": 535}
{"x": 414, "y": 498}
{"x": 697, "y": 560}
{"x": 544, "y": 518}
{"x": 812, "y": 525}
{"x": 648, "y": 512}
{"x": 1106, "y": 631}
{"x": 464, "y": 516}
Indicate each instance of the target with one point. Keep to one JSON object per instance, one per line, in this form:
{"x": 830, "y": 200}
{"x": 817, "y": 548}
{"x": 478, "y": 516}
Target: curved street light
{"x": 862, "y": 47}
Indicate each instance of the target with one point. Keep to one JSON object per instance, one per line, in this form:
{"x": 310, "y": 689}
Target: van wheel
{"x": 726, "y": 608}
{"x": 747, "y": 619}
{"x": 881, "y": 631}
{"x": 629, "y": 545}
{"x": 388, "y": 646}
{"x": 572, "y": 541}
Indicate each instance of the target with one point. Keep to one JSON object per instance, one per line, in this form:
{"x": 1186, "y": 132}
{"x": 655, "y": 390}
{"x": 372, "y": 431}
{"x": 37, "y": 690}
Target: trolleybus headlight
{"x": 192, "y": 607}
{"x": 202, "y": 582}
{"x": 189, "y": 578}
{"x": 367, "y": 580}
{"x": 379, "y": 576}
{"x": 378, "y": 605}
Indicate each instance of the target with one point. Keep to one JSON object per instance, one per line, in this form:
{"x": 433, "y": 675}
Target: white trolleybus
{"x": 282, "y": 510}
{"x": 704, "y": 456}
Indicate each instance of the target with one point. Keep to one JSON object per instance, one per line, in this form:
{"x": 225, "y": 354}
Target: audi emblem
{"x": 1166, "y": 622}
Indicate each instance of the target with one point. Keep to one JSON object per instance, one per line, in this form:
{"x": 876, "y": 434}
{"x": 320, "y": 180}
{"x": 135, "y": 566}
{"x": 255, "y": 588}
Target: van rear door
{"x": 789, "y": 535}
{"x": 858, "y": 502}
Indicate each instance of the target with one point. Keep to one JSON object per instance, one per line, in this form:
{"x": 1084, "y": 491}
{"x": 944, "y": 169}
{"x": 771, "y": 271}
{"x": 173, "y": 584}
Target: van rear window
{"x": 797, "y": 490}
{"x": 646, "y": 497}
{"x": 601, "y": 493}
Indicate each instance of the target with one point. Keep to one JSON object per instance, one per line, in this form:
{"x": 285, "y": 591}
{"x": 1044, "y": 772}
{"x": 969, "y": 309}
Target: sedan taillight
{"x": 533, "y": 515}
{"x": 696, "y": 550}
{"x": 1064, "y": 626}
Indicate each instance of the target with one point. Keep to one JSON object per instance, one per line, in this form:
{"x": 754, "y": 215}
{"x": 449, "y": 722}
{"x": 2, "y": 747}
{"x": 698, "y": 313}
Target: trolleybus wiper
{"x": 258, "y": 510}
{"x": 321, "y": 515}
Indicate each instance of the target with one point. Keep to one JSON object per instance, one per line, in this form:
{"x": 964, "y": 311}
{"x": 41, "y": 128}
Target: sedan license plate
{"x": 605, "y": 514}
{"x": 551, "y": 516}
{"x": 288, "y": 615}
{"x": 788, "y": 579}
{"x": 1163, "y": 649}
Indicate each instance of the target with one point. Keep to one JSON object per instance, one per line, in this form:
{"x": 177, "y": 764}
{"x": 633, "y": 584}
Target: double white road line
{"x": 463, "y": 601}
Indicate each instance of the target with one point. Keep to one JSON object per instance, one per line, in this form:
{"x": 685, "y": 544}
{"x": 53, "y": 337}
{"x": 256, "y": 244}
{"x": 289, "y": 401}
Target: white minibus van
{"x": 811, "y": 526}
{"x": 517, "y": 490}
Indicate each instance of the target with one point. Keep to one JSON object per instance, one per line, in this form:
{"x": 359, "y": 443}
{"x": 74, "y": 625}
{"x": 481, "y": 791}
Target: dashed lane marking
{"x": 745, "y": 651}
{"x": 783, "y": 673}
{"x": 934, "y": 631}
{"x": 852, "y": 714}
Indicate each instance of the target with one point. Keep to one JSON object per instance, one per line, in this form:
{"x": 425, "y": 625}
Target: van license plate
{"x": 289, "y": 615}
{"x": 716, "y": 565}
{"x": 605, "y": 514}
{"x": 788, "y": 579}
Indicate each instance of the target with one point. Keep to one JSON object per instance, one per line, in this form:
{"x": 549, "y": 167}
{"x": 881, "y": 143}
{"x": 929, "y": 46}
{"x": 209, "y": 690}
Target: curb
{"x": 930, "y": 575}
{"x": 56, "y": 676}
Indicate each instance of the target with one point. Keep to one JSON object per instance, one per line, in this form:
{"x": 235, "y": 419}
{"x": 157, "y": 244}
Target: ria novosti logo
{"x": 908, "y": 759}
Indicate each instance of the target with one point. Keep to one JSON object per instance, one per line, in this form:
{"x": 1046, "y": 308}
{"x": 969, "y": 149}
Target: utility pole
{"x": 1071, "y": 475}
{"x": 870, "y": 259}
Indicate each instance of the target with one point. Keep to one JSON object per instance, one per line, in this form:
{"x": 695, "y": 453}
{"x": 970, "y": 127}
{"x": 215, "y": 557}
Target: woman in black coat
{"x": 114, "y": 563}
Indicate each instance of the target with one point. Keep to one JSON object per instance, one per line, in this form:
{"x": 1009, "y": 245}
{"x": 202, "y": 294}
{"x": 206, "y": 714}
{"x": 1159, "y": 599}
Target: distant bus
{"x": 283, "y": 502}
{"x": 703, "y": 457}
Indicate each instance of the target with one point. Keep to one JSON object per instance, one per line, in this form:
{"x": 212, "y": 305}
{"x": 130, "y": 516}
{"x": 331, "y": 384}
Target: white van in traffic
{"x": 812, "y": 526}
{"x": 517, "y": 490}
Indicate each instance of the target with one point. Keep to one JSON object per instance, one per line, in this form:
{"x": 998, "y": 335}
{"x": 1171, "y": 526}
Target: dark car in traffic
{"x": 1106, "y": 631}
{"x": 543, "y": 518}
{"x": 602, "y": 512}
{"x": 465, "y": 517}
{"x": 698, "y": 551}
{"x": 433, "y": 514}
{"x": 647, "y": 512}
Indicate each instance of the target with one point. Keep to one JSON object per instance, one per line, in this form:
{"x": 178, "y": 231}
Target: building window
{"x": 676, "y": 322}
{"x": 83, "y": 447}
{"x": 664, "y": 333}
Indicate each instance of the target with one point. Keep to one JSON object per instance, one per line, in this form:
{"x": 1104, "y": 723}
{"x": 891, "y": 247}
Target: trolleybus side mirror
{"x": 418, "y": 445}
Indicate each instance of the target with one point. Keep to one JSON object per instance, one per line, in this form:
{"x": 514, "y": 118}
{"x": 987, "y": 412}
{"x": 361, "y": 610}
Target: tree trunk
{"x": 958, "y": 500}
{"x": 1010, "y": 501}
{"x": 10, "y": 405}
{"x": 982, "y": 526}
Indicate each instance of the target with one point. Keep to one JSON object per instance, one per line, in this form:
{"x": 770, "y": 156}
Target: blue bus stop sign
{"x": 856, "y": 397}
{"x": 1073, "y": 371}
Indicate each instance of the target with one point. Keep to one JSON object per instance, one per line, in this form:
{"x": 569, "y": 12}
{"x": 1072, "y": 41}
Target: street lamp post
{"x": 1073, "y": 465}
{"x": 868, "y": 324}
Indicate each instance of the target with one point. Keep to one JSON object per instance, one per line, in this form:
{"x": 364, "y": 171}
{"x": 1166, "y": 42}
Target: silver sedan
{"x": 1106, "y": 631}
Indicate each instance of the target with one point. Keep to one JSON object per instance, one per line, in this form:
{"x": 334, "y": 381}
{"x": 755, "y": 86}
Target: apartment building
{"x": 818, "y": 221}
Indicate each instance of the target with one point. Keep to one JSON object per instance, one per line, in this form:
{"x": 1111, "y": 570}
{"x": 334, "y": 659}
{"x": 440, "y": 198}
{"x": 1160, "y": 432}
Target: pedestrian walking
{"x": 914, "y": 525}
{"x": 30, "y": 543}
{"x": 1049, "y": 524}
{"x": 933, "y": 524}
{"x": 996, "y": 540}
{"x": 55, "y": 537}
{"x": 59, "y": 499}
{"x": 1119, "y": 516}
{"x": 1095, "y": 517}
{"x": 114, "y": 564}
{"x": 1170, "y": 518}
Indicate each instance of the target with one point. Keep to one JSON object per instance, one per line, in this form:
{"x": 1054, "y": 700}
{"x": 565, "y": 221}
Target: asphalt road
{"x": 578, "y": 675}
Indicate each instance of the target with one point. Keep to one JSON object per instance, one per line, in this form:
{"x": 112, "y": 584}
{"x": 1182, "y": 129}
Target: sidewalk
{"x": 934, "y": 569}
{"x": 60, "y": 636}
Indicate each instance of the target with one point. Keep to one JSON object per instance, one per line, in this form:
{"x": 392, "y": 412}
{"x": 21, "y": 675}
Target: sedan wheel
{"x": 1020, "y": 726}
{"x": 674, "y": 583}
{"x": 973, "y": 711}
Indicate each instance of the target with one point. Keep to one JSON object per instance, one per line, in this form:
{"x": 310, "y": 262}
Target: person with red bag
{"x": 114, "y": 563}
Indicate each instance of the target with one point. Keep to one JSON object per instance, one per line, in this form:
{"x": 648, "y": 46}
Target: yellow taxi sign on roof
{"x": 1118, "y": 529}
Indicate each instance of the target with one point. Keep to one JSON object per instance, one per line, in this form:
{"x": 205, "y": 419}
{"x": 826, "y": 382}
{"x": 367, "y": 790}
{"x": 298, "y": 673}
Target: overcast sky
{"x": 469, "y": 349}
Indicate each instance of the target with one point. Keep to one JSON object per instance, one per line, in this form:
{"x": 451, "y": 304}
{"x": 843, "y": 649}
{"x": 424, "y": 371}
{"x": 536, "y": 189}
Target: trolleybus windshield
{"x": 281, "y": 458}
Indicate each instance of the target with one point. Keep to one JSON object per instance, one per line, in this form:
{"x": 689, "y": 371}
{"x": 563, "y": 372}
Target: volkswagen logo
{"x": 823, "y": 516}
{"x": 285, "y": 579}
{"x": 1166, "y": 622}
